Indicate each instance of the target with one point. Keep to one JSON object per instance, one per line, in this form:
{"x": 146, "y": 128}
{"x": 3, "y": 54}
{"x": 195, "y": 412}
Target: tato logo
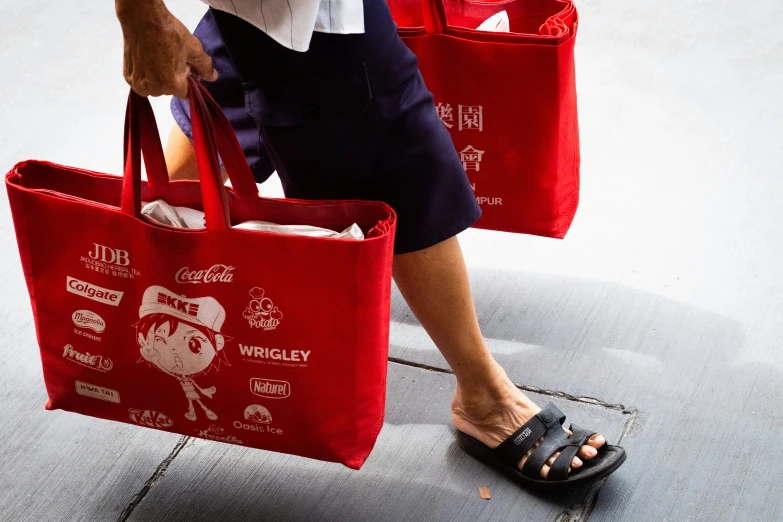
{"x": 269, "y": 388}
{"x": 94, "y": 292}
{"x": 214, "y": 274}
{"x": 97, "y": 392}
{"x": 150, "y": 418}
{"x": 112, "y": 256}
{"x": 261, "y": 312}
{"x": 88, "y": 319}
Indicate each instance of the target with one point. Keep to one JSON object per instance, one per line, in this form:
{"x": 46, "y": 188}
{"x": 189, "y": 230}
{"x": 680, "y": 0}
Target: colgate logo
{"x": 94, "y": 292}
{"x": 270, "y": 389}
{"x": 214, "y": 274}
{"x": 88, "y": 319}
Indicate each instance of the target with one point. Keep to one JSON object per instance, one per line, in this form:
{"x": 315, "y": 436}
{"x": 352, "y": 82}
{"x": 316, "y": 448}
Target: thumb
{"x": 200, "y": 62}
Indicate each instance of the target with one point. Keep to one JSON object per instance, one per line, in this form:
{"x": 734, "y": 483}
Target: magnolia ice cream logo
{"x": 94, "y": 362}
{"x": 261, "y": 312}
{"x": 219, "y": 434}
{"x": 88, "y": 319}
{"x": 150, "y": 418}
{"x": 213, "y": 274}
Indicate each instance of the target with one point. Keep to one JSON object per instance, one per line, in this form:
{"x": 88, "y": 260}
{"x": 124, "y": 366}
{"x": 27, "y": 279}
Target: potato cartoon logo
{"x": 261, "y": 312}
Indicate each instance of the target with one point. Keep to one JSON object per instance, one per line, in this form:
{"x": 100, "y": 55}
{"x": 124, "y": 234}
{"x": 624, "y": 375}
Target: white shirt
{"x": 291, "y": 22}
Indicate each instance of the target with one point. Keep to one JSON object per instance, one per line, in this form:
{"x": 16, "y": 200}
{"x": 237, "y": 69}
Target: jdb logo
{"x": 269, "y": 388}
{"x": 94, "y": 292}
{"x": 112, "y": 256}
{"x": 260, "y": 419}
{"x": 150, "y": 418}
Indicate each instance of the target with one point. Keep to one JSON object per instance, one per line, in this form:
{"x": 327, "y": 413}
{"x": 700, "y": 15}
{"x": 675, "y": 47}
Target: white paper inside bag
{"x": 497, "y": 23}
{"x": 183, "y": 217}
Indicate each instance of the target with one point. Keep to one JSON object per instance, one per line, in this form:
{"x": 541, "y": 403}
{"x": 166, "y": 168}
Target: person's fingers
{"x": 180, "y": 86}
{"x": 200, "y": 61}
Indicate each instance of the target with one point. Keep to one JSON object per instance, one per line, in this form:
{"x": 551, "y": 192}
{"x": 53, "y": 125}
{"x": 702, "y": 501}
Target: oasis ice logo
{"x": 97, "y": 392}
{"x": 259, "y": 420}
{"x": 261, "y": 312}
{"x": 112, "y": 256}
{"x": 88, "y": 319}
{"x": 219, "y": 434}
{"x": 150, "y": 418}
{"x": 94, "y": 362}
{"x": 94, "y": 292}
{"x": 269, "y": 388}
{"x": 258, "y": 414}
{"x": 214, "y": 274}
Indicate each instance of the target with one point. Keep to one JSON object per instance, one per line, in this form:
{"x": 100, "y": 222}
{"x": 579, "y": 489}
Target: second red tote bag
{"x": 509, "y": 102}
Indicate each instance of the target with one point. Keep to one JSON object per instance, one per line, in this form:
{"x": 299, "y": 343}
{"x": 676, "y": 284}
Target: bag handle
{"x": 434, "y": 16}
{"x": 212, "y": 133}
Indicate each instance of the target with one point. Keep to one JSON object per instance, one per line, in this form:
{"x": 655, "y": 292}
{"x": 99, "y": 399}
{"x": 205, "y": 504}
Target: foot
{"x": 210, "y": 414}
{"x": 191, "y": 415}
{"x": 498, "y": 409}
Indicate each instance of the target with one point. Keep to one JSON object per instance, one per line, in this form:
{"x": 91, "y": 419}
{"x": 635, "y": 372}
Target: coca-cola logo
{"x": 88, "y": 319}
{"x": 213, "y": 274}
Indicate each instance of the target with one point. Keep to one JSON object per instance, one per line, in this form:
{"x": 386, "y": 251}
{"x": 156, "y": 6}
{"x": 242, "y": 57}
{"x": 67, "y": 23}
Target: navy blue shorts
{"x": 349, "y": 119}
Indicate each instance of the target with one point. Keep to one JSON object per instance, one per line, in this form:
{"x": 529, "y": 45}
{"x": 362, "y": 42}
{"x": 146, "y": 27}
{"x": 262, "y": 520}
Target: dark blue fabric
{"x": 350, "y": 118}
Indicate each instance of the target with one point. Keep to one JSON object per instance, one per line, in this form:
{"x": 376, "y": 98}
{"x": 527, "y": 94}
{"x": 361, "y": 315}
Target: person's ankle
{"x": 493, "y": 393}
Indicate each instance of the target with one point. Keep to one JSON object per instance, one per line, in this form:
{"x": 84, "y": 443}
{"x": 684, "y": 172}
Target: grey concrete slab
{"x": 416, "y": 472}
{"x": 57, "y": 466}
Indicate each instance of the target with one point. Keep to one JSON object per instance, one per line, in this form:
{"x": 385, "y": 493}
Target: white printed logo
{"x": 94, "y": 292}
{"x": 259, "y": 419}
{"x": 97, "y": 392}
{"x": 112, "y": 256}
{"x": 109, "y": 261}
{"x": 95, "y": 362}
{"x": 150, "y": 418}
{"x": 214, "y": 274}
{"x": 261, "y": 312}
{"x": 219, "y": 434}
{"x": 275, "y": 356}
{"x": 88, "y": 319}
{"x": 269, "y": 389}
{"x": 522, "y": 436}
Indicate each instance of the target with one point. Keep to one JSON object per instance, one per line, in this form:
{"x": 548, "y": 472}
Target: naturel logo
{"x": 269, "y": 388}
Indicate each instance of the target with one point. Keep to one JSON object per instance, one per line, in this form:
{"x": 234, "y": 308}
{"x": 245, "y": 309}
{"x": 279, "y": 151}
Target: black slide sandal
{"x": 547, "y": 423}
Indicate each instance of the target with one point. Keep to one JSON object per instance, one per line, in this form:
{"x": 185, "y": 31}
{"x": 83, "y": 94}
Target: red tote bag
{"x": 509, "y": 102}
{"x": 265, "y": 340}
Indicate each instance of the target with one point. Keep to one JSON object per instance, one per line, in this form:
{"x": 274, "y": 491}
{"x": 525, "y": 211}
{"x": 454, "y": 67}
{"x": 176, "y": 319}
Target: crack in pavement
{"x": 157, "y": 475}
{"x": 578, "y": 513}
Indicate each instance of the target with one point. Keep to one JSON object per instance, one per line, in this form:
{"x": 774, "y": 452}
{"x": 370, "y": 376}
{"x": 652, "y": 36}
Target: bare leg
{"x": 191, "y": 414}
{"x": 210, "y": 414}
{"x": 487, "y": 405}
{"x": 434, "y": 282}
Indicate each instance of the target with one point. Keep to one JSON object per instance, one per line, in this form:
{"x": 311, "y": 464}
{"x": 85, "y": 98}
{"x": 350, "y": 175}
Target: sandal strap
{"x": 516, "y": 446}
{"x": 554, "y": 439}
{"x": 559, "y": 468}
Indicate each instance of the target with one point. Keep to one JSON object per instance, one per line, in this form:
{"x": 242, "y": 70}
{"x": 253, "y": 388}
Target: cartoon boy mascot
{"x": 181, "y": 337}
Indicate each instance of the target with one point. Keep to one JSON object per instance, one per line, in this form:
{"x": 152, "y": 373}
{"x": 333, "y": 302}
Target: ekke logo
{"x": 94, "y": 292}
{"x": 88, "y": 319}
{"x": 269, "y": 388}
{"x": 181, "y": 305}
{"x": 112, "y": 256}
{"x": 97, "y": 392}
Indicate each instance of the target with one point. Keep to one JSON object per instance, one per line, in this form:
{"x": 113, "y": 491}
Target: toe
{"x": 587, "y": 452}
{"x": 597, "y": 441}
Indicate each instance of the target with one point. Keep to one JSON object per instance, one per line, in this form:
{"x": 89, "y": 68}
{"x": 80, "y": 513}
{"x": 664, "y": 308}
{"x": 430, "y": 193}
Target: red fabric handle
{"x": 214, "y": 134}
{"x": 434, "y": 16}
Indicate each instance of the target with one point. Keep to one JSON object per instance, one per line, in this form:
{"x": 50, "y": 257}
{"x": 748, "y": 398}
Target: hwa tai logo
{"x": 261, "y": 312}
